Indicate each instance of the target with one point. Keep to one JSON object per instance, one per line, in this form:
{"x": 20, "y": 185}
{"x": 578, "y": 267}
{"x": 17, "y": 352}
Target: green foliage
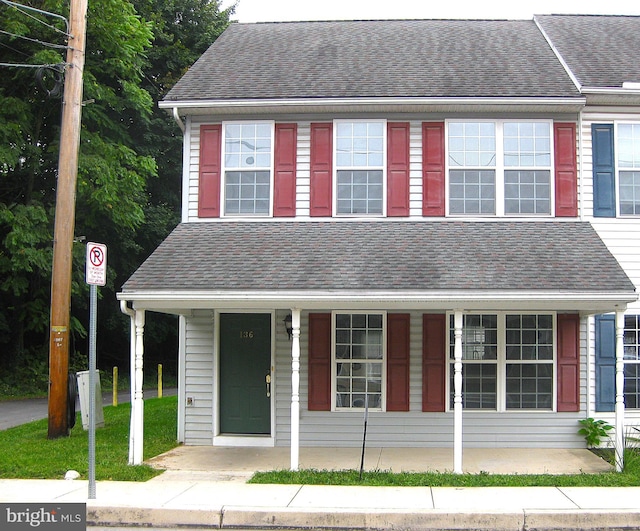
{"x": 27, "y": 453}
{"x": 594, "y": 431}
{"x": 130, "y": 162}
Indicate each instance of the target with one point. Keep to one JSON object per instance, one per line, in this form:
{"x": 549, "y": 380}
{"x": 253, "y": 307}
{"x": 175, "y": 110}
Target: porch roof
{"x": 563, "y": 264}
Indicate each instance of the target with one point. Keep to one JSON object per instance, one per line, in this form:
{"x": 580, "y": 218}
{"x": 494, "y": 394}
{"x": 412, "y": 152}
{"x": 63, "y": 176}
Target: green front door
{"x": 245, "y": 362}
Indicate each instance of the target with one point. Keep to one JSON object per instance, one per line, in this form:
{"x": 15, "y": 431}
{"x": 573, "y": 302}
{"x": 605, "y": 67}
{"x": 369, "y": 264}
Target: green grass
{"x": 630, "y": 477}
{"x": 27, "y": 452}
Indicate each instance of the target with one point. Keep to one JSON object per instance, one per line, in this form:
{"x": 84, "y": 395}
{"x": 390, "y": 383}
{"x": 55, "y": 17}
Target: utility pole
{"x": 65, "y": 222}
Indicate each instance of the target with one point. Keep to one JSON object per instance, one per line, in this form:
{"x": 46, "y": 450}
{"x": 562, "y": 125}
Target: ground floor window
{"x": 358, "y": 360}
{"x": 507, "y": 361}
{"x": 632, "y": 361}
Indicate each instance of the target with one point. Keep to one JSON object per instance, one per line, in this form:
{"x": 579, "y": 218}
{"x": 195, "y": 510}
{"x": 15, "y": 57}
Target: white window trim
{"x": 335, "y": 169}
{"x": 616, "y": 137}
{"x": 501, "y": 364}
{"x": 334, "y": 361}
{"x": 223, "y": 170}
{"x": 499, "y": 169}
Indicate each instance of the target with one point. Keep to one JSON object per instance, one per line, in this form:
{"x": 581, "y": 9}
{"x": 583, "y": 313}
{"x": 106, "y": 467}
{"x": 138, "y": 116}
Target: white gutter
{"x": 380, "y": 296}
{"x": 350, "y": 102}
{"x": 617, "y": 91}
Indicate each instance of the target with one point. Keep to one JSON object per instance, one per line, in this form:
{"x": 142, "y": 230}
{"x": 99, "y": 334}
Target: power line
{"x": 21, "y": 8}
{"x": 37, "y": 41}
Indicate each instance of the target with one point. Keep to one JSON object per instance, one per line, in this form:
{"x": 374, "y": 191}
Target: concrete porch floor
{"x": 217, "y": 462}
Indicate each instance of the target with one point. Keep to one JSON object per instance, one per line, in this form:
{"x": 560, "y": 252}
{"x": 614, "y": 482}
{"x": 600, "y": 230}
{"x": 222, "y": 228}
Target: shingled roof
{"x": 371, "y": 255}
{"x": 390, "y": 58}
{"x": 600, "y": 50}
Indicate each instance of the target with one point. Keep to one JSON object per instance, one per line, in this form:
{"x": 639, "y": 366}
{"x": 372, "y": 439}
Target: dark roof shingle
{"x": 389, "y": 58}
{"x": 601, "y": 50}
{"x": 370, "y": 255}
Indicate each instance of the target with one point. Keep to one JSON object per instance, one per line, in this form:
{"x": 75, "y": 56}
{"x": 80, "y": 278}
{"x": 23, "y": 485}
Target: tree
{"x": 128, "y": 191}
{"x": 111, "y": 175}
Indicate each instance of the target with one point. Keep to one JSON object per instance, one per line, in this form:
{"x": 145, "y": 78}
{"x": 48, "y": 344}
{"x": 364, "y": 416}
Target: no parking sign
{"x": 96, "y": 264}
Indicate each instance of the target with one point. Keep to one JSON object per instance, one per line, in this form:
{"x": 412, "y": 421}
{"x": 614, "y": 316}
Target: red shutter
{"x": 398, "y": 362}
{"x": 566, "y": 172}
{"x": 433, "y": 362}
{"x": 284, "y": 182}
{"x": 433, "y": 176}
{"x": 321, "y": 169}
{"x": 568, "y": 362}
{"x": 319, "y": 361}
{"x": 397, "y": 169}
{"x": 209, "y": 181}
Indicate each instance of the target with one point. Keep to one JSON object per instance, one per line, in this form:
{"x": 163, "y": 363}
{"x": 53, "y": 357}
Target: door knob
{"x": 267, "y": 380}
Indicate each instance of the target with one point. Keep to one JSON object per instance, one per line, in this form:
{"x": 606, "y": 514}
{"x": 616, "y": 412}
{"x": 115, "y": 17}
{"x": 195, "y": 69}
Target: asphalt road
{"x": 16, "y": 412}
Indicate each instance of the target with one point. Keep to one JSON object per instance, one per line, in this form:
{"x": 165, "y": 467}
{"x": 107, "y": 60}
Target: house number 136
{"x": 246, "y": 334}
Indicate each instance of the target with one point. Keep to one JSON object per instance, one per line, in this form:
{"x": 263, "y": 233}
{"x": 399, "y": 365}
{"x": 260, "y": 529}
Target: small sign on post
{"x": 96, "y": 275}
{"x": 96, "y": 264}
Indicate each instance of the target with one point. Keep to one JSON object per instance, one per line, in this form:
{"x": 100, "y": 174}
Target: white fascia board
{"x": 571, "y": 104}
{"x": 586, "y": 302}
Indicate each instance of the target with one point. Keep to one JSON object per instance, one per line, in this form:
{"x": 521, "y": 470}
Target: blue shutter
{"x": 604, "y": 189}
{"x": 605, "y": 362}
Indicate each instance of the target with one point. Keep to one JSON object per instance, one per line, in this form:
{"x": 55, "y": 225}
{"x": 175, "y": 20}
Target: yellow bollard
{"x": 160, "y": 380}
{"x": 115, "y": 387}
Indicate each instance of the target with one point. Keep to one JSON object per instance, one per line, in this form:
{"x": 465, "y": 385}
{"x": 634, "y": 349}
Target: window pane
{"x": 359, "y": 192}
{"x": 527, "y": 192}
{"x": 529, "y": 337}
{"x": 529, "y": 386}
{"x": 628, "y": 145}
{"x": 359, "y": 347}
{"x": 630, "y": 193}
{"x": 479, "y": 386}
{"x": 632, "y": 385}
{"x": 527, "y": 144}
{"x": 247, "y": 192}
{"x": 471, "y": 192}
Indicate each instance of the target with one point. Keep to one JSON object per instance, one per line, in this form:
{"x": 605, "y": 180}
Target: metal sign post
{"x": 96, "y": 275}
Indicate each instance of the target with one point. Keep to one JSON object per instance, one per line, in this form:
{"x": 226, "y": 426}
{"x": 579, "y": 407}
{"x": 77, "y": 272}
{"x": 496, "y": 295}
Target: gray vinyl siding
{"x": 416, "y": 428}
{"x": 199, "y": 373}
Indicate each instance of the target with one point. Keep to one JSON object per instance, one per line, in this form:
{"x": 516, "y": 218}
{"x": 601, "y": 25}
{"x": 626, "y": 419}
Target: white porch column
{"x": 295, "y": 389}
{"x": 457, "y": 394}
{"x": 619, "y": 444}
{"x": 137, "y": 406}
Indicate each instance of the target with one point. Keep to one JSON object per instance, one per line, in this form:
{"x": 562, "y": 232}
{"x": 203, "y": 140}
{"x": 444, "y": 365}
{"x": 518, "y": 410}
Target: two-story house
{"x": 608, "y": 77}
{"x": 390, "y": 216}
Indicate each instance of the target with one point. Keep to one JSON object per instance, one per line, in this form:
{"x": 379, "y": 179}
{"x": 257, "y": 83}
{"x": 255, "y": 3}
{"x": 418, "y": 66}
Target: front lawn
{"x": 27, "y": 452}
{"x": 629, "y": 477}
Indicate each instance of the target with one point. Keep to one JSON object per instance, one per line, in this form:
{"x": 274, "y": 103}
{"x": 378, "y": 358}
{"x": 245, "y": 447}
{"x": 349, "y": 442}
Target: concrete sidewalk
{"x": 170, "y": 502}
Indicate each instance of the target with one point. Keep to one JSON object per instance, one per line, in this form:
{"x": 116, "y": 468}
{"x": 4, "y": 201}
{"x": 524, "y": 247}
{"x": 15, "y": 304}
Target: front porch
{"x": 218, "y": 462}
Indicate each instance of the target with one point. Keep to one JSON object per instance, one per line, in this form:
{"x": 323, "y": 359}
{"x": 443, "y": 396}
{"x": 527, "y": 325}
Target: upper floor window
{"x": 248, "y": 161}
{"x": 499, "y": 168}
{"x": 360, "y": 167}
{"x": 628, "y": 160}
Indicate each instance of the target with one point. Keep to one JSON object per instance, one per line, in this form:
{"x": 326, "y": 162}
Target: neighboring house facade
{"x": 609, "y": 79}
{"x": 413, "y": 198}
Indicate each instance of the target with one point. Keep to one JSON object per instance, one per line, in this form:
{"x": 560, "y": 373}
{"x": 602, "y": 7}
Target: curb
{"x": 230, "y": 517}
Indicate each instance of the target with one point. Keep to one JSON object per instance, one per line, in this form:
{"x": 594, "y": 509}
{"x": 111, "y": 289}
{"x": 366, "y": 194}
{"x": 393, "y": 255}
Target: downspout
{"x": 124, "y": 308}
{"x": 178, "y": 120}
